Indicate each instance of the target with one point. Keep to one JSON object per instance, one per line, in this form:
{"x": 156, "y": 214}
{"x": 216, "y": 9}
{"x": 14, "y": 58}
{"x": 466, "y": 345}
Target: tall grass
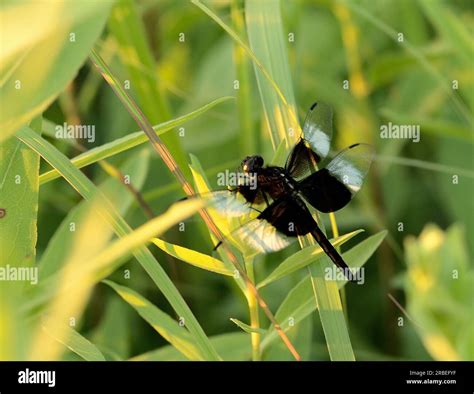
{"x": 104, "y": 262}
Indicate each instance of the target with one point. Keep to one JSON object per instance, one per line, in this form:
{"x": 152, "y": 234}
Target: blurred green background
{"x": 177, "y": 59}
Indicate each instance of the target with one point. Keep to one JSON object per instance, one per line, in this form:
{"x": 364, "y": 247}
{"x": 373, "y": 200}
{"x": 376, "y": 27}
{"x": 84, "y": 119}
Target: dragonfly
{"x": 281, "y": 195}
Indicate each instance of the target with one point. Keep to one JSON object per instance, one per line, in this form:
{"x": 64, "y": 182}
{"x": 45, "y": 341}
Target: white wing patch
{"x": 351, "y": 165}
{"x": 317, "y": 128}
{"x": 262, "y": 236}
{"x": 229, "y": 203}
{"x": 320, "y": 142}
{"x": 346, "y": 173}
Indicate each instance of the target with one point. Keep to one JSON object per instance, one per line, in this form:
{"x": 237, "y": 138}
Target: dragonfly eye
{"x": 244, "y": 163}
{"x": 252, "y": 163}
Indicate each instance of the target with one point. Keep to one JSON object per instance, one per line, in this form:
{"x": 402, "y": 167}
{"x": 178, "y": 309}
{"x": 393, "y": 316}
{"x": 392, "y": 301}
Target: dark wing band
{"x": 331, "y": 188}
{"x": 277, "y": 226}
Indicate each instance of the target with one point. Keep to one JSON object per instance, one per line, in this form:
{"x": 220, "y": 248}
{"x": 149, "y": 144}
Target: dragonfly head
{"x": 252, "y": 164}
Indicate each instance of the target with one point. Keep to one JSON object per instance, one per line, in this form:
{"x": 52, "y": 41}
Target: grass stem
{"x": 335, "y": 234}
{"x": 253, "y": 309}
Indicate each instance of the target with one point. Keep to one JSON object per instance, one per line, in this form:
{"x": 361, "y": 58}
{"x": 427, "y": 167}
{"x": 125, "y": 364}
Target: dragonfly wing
{"x": 317, "y": 129}
{"x": 277, "y": 226}
{"x": 331, "y": 188}
{"x": 315, "y": 142}
{"x": 262, "y": 237}
{"x": 229, "y": 203}
{"x": 301, "y": 160}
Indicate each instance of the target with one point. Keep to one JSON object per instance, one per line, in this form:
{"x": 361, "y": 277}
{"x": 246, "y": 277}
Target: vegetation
{"x": 174, "y": 93}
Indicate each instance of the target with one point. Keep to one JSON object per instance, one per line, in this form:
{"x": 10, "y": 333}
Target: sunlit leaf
{"x": 30, "y": 80}
{"x": 167, "y": 327}
{"x": 248, "y": 329}
{"x": 302, "y": 258}
{"x": 192, "y": 257}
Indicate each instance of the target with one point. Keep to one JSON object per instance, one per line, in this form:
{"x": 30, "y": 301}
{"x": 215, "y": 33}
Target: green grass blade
{"x": 232, "y": 346}
{"x": 298, "y": 304}
{"x": 87, "y": 189}
{"x": 265, "y": 32}
{"x": 128, "y": 29}
{"x": 331, "y": 312}
{"x": 126, "y": 26}
{"x": 303, "y": 258}
{"x": 248, "y": 329}
{"x": 300, "y": 301}
{"x": 19, "y": 202}
{"x": 81, "y": 346}
{"x": 357, "y": 256}
{"x": 83, "y": 270}
{"x": 19, "y": 167}
{"x": 93, "y": 81}
{"x": 194, "y": 258}
{"x": 265, "y": 72}
{"x": 112, "y": 334}
{"x": 82, "y": 217}
{"x": 280, "y": 155}
{"x": 451, "y": 28}
{"x": 166, "y": 326}
{"x": 201, "y": 185}
{"x": 128, "y": 142}
{"x": 248, "y": 137}
{"x": 413, "y": 51}
{"x": 105, "y": 262}
{"x": 29, "y": 80}
{"x": 63, "y": 239}
{"x": 425, "y": 165}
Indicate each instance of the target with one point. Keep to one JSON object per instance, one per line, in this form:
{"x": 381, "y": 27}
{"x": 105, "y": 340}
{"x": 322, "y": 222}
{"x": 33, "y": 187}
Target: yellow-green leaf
{"x": 166, "y": 326}
{"x": 302, "y": 258}
{"x": 37, "y": 62}
{"x": 248, "y": 329}
{"x": 192, "y": 257}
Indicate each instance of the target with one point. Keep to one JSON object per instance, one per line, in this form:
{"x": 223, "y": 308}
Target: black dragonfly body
{"x": 285, "y": 191}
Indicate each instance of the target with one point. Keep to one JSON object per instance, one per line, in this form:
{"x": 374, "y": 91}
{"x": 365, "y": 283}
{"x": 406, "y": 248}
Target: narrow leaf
{"x": 248, "y": 329}
{"x": 192, "y": 257}
{"x": 300, "y": 301}
{"x": 167, "y": 327}
{"x": 129, "y": 141}
{"x": 233, "y": 346}
{"x": 80, "y": 345}
{"x": 87, "y": 189}
{"x": 302, "y": 258}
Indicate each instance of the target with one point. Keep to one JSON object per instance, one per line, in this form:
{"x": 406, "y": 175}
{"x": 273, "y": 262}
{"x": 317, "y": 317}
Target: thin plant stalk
{"x": 335, "y": 234}
{"x": 327, "y": 296}
{"x": 70, "y": 110}
{"x": 253, "y": 309}
{"x": 248, "y": 144}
